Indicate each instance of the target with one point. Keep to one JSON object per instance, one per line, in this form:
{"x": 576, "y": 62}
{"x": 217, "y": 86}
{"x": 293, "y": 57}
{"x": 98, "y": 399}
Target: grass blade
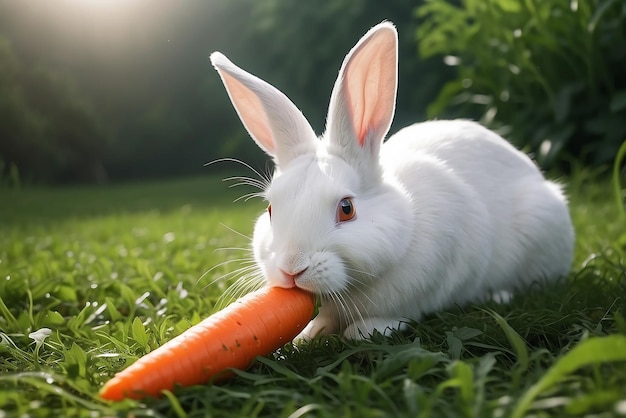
{"x": 8, "y": 316}
{"x": 592, "y": 351}
{"x": 175, "y": 404}
{"x": 617, "y": 187}
{"x": 516, "y": 341}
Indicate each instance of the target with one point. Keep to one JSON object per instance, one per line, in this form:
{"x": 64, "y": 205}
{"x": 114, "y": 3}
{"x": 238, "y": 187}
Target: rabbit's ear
{"x": 273, "y": 121}
{"x": 363, "y": 99}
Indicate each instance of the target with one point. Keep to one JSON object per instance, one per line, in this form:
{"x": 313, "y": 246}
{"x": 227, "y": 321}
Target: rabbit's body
{"x": 526, "y": 228}
{"x": 484, "y": 220}
{"x": 443, "y": 213}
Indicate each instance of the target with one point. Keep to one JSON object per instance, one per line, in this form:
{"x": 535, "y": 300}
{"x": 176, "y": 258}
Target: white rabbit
{"x": 446, "y": 212}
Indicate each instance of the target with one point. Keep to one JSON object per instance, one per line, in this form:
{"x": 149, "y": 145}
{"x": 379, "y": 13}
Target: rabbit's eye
{"x": 269, "y": 211}
{"x": 345, "y": 210}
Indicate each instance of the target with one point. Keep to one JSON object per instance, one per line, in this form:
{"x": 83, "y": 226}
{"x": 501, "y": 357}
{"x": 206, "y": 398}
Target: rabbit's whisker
{"x": 236, "y": 232}
{"x": 263, "y": 178}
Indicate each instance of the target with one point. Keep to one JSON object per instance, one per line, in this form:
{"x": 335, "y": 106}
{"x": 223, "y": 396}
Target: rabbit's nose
{"x": 292, "y": 276}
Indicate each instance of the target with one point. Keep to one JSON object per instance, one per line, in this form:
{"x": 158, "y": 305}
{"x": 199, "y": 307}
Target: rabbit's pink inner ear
{"x": 370, "y": 83}
{"x": 250, "y": 111}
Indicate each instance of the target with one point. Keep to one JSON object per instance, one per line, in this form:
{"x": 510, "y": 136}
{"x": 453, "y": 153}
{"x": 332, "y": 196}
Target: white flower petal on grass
{"x": 40, "y": 335}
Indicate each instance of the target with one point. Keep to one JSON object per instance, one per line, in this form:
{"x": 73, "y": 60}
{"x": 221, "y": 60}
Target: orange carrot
{"x": 255, "y": 325}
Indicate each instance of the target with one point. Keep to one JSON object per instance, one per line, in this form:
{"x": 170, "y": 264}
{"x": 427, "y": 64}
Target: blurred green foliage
{"x": 96, "y": 91}
{"x": 548, "y": 74}
{"x": 144, "y": 99}
{"x": 49, "y": 128}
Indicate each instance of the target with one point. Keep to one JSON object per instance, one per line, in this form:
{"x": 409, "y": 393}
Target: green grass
{"x": 116, "y": 271}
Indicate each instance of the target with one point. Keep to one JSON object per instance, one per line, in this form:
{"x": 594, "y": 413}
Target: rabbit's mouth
{"x": 323, "y": 273}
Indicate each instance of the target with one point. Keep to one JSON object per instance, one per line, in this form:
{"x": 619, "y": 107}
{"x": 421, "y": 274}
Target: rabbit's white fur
{"x": 447, "y": 212}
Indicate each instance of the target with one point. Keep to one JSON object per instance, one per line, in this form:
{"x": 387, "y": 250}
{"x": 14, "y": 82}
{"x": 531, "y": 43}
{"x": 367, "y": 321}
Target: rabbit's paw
{"x": 364, "y": 328}
{"x": 502, "y": 296}
{"x": 323, "y": 324}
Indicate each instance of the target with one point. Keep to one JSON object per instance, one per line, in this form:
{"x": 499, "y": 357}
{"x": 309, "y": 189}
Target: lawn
{"x": 116, "y": 271}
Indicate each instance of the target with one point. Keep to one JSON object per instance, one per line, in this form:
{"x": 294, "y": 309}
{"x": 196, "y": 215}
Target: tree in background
{"x": 19, "y": 127}
{"x": 86, "y": 95}
{"x": 49, "y": 130}
{"x": 151, "y": 105}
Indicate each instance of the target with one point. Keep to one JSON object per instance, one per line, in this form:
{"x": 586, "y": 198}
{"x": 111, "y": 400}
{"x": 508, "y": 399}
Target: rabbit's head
{"x": 333, "y": 221}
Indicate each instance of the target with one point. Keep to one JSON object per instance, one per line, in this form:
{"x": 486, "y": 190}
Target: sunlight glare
{"x": 102, "y": 25}
{"x": 98, "y": 4}
{"x": 106, "y": 10}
